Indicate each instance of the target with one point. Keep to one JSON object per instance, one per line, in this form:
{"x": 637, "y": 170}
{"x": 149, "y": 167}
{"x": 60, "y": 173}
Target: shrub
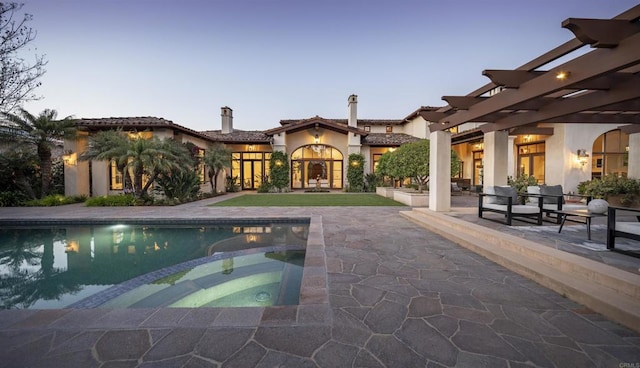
{"x": 12, "y": 198}
{"x": 522, "y": 182}
{"x": 355, "y": 173}
{"x": 611, "y": 184}
{"x": 55, "y": 200}
{"x": 113, "y": 200}
{"x": 279, "y": 171}
{"x": 231, "y": 184}
{"x": 371, "y": 181}
{"x": 180, "y": 185}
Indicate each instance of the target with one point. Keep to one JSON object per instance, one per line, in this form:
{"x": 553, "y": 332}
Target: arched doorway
{"x": 610, "y": 154}
{"x": 316, "y": 165}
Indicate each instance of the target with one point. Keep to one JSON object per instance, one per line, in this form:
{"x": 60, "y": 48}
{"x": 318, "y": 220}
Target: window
{"x": 610, "y": 154}
{"x": 116, "y": 176}
{"x": 367, "y": 128}
{"x": 389, "y": 129}
{"x": 200, "y": 166}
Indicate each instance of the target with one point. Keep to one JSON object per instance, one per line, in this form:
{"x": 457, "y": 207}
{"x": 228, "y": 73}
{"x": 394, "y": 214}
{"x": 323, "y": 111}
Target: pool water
{"x": 145, "y": 266}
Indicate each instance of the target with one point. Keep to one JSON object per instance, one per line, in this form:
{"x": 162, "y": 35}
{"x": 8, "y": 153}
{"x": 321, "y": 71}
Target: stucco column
{"x": 76, "y": 172}
{"x": 440, "y": 171}
{"x": 634, "y": 156}
{"x": 495, "y": 157}
{"x": 511, "y": 158}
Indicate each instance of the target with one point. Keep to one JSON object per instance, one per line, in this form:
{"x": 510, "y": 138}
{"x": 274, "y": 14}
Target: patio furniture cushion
{"x": 519, "y": 208}
{"x": 628, "y": 227}
{"x": 565, "y": 207}
{"x": 490, "y": 199}
{"x": 552, "y": 190}
{"x": 506, "y": 191}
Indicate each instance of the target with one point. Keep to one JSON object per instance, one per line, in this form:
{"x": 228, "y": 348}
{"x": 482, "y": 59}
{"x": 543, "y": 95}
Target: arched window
{"x": 610, "y": 154}
{"x": 316, "y": 166}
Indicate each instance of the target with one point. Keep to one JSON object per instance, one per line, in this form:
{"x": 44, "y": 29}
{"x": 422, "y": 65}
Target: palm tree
{"x": 110, "y": 145}
{"x": 137, "y": 156}
{"x": 41, "y": 131}
{"x": 216, "y": 159}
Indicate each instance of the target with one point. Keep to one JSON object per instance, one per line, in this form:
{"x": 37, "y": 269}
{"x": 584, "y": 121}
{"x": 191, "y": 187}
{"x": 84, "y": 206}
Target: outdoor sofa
{"x": 622, "y": 229}
{"x": 554, "y": 199}
{"x": 505, "y": 200}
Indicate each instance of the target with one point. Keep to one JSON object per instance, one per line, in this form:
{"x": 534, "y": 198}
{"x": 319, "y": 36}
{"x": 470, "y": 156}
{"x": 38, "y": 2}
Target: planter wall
{"x": 385, "y": 191}
{"x": 412, "y": 199}
{"x": 616, "y": 201}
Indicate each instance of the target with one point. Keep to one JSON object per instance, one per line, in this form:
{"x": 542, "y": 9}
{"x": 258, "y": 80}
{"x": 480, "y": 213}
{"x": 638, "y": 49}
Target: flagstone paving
{"x": 399, "y": 296}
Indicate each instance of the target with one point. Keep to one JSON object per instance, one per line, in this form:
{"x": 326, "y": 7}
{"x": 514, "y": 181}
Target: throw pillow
{"x": 551, "y": 190}
{"x": 507, "y": 192}
{"x": 533, "y": 189}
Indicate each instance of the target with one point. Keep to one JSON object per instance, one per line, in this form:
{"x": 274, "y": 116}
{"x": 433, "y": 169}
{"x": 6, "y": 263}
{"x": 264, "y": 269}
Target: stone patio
{"x": 398, "y": 296}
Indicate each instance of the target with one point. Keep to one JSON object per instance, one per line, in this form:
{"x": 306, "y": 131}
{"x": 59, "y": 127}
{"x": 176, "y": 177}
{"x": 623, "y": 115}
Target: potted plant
{"x": 617, "y": 190}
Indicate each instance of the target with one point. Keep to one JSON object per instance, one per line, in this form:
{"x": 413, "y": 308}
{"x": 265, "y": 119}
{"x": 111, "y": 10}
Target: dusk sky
{"x": 283, "y": 59}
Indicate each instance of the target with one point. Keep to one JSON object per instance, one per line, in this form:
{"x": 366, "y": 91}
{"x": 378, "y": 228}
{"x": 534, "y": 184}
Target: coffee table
{"x": 579, "y": 213}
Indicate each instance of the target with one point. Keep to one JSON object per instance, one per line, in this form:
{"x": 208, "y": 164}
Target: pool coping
{"x": 313, "y": 307}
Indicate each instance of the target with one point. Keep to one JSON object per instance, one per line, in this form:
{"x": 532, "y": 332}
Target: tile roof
{"x": 345, "y": 121}
{"x": 295, "y": 125}
{"x": 388, "y": 139}
{"x": 134, "y": 122}
{"x": 243, "y": 136}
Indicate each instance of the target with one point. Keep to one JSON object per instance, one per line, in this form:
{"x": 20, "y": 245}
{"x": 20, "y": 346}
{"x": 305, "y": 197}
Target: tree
{"x": 412, "y": 160}
{"x": 216, "y": 159}
{"x": 19, "y": 78}
{"x": 42, "y": 131}
{"x": 110, "y": 145}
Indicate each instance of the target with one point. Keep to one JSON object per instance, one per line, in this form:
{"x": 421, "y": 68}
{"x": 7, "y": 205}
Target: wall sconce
{"x": 70, "y": 158}
{"x": 355, "y": 163}
{"x": 583, "y": 156}
{"x": 316, "y": 139}
{"x": 392, "y": 149}
{"x": 278, "y": 163}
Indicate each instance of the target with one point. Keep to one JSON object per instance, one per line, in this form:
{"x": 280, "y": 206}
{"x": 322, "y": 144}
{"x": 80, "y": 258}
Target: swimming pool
{"x": 139, "y": 265}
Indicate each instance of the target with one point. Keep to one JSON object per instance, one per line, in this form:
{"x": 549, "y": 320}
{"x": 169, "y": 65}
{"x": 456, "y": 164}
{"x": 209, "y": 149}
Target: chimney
{"x": 227, "y": 120}
{"x": 353, "y": 111}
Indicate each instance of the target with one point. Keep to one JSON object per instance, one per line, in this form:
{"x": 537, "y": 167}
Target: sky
{"x": 283, "y": 59}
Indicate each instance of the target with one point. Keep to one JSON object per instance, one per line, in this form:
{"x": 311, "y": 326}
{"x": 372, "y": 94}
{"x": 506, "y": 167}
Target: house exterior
{"x": 318, "y": 148}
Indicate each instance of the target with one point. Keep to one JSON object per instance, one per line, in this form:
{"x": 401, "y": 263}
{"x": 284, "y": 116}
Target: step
{"x": 607, "y": 290}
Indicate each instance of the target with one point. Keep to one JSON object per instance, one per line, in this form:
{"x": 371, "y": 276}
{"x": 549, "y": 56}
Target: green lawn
{"x": 307, "y": 199}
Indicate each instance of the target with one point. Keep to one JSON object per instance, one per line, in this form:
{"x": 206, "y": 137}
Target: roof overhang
{"x": 315, "y": 123}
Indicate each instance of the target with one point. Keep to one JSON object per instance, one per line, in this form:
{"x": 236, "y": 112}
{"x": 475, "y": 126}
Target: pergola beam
{"x": 565, "y": 106}
{"x": 630, "y": 129}
{"x": 510, "y": 78}
{"x": 591, "y": 65}
{"x": 433, "y": 116}
{"x": 463, "y": 102}
{"x": 601, "y": 32}
{"x": 588, "y": 118}
{"x": 532, "y": 130}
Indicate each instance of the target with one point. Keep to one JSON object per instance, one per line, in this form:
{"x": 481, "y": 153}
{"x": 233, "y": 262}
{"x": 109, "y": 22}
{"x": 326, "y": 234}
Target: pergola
{"x": 600, "y": 86}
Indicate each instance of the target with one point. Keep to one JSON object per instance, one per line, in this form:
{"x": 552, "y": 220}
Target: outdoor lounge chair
{"x": 504, "y": 200}
{"x": 554, "y": 199}
{"x": 622, "y": 229}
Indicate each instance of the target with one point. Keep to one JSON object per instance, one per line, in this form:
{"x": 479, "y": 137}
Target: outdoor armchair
{"x": 618, "y": 227}
{"x": 506, "y": 201}
{"x": 554, "y": 199}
